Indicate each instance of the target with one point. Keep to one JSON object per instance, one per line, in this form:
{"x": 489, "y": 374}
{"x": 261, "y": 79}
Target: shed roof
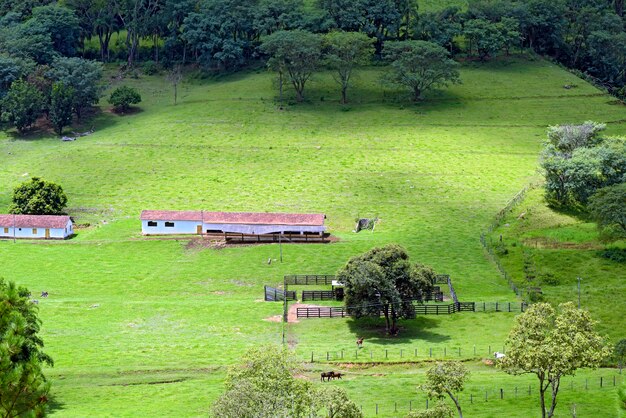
{"x": 34, "y": 221}
{"x": 248, "y": 218}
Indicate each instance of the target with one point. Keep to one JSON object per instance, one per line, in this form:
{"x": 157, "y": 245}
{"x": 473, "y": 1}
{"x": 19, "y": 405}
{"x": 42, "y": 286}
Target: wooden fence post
{"x": 311, "y": 357}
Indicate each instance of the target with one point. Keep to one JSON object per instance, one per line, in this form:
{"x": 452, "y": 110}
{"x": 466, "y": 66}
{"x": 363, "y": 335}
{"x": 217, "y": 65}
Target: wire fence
{"x": 405, "y": 354}
{"x": 495, "y": 223}
{"x": 477, "y": 397}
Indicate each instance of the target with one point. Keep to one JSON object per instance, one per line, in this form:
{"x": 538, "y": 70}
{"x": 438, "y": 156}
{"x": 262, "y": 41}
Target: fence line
{"x": 277, "y": 295}
{"x": 495, "y": 223}
{"x": 481, "y": 394}
{"x": 309, "y": 279}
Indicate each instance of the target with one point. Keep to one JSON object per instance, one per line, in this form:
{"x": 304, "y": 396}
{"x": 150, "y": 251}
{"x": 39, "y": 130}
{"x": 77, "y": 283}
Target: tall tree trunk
{"x": 542, "y": 398}
{"x": 344, "y": 96}
{"x": 456, "y": 403}
{"x": 555, "y": 391}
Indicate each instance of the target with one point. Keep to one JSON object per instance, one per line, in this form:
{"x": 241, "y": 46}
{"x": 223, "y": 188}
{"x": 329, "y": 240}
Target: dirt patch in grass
{"x": 542, "y": 242}
{"x": 202, "y": 243}
{"x": 274, "y": 318}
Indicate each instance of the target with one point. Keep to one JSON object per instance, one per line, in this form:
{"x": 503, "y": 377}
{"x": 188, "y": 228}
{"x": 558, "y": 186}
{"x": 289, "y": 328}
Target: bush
{"x": 38, "y": 197}
{"x": 124, "y": 96}
{"x": 150, "y": 68}
{"x": 614, "y": 254}
{"x": 550, "y": 279}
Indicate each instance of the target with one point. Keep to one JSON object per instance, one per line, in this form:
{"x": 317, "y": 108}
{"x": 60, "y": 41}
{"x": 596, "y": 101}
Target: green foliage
{"x": 295, "y": 53}
{"x": 263, "y": 384}
{"x": 12, "y": 69}
{"x": 343, "y": 51}
{"x": 620, "y": 351}
{"x": 38, "y": 197}
{"x": 337, "y": 404}
{"x": 420, "y": 66}
{"x": 614, "y": 254}
{"x": 608, "y": 207}
{"x": 23, "y": 387}
{"x": 61, "y": 100}
{"x": 22, "y": 105}
{"x": 150, "y": 68}
{"x": 446, "y": 379}
{"x": 124, "y": 96}
{"x": 440, "y": 410}
{"x": 576, "y": 163}
{"x": 552, "y": 344}
{"x": 61, "y": 24}
{"x": 83, "y": 76}
{"x": 383, "y": 278}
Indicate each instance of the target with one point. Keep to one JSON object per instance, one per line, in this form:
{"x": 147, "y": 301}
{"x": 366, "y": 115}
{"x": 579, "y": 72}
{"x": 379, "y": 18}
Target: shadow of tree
{"x": 411, "y": 331}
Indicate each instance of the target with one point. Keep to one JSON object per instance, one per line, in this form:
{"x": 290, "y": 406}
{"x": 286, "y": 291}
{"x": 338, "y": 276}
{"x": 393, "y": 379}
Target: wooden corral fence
{"x": 342, "y": 312}
{"x": 318, "y": 295}
{"x": 309, "y": 279}
{"x": 277, "y": 295}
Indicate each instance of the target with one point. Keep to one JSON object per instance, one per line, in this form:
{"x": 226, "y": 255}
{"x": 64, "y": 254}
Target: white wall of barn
{"x": 35, "y": 233}
{"x": 180, "y": 227}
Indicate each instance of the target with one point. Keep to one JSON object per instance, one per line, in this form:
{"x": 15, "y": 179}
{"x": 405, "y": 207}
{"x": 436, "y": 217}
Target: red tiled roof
{"x": 235, "y": 217}
{"x": 171, "y": 215}
{"x": 34, "y": 221}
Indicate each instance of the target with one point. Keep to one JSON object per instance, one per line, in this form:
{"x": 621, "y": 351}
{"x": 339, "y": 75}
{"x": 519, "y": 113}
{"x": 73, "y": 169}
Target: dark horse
{"x": 359, "y": 342}
{"x": 330, "y": 375}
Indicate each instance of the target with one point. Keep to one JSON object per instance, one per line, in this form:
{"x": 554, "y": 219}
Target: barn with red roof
{"x": 36, "y": 226}
{"x": 244, "y": 226}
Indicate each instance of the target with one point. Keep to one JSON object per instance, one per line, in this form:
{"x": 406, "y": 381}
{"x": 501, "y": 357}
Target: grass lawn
{"x": 147, "y": 327}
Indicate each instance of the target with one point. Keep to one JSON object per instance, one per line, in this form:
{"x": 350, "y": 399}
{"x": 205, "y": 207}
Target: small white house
{"x": 36, "y": 226}
{"x": 159, "y": 222}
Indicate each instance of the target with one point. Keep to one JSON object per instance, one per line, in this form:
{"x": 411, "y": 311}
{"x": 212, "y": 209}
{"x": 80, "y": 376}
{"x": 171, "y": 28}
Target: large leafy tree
{"x": 83, "y": 77}
{"x": 38, "y": 197}
{"x": 264, "y": 385}
{"x": 61, "y": 24}
{"x": 22, "y": 105}
{"x": 136, "y": 17}
{"x": 60, "y": 112}
{"x": 446, "y": 379}
{"x": 551, "y": 344}
{"x": 420, "y": 66}
{"x": 343, "y": 51}
{"x": 608, "y": 207}
{"x": 295, "y": 53}
{"x": 23, "y": 386}
{"x": 384, "y": 279}
{"x": 11, "y": 69}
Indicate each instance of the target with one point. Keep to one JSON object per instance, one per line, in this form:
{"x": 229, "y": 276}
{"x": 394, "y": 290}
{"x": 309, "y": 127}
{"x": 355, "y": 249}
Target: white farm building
{"x": 240, "y": 226}
{"x": 36, "y": 226}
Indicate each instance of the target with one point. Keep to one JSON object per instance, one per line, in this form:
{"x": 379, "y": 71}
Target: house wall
{"x": 180, "y": 227}
{"x": 55, "y": 233}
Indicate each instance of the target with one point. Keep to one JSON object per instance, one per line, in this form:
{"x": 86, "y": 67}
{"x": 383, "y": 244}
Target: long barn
{"x": 241, "y": 226}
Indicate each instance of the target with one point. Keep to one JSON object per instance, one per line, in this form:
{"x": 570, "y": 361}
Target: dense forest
{"x": 225, "y": 35}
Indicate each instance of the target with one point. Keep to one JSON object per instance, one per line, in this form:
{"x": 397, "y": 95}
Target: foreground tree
{"x": 446, "y": 378}
{"x": 296, "y": 53}
{"x": 174, "y": 77}
{"x": 23, "y": 387}
{"x": 608, "y": 207}
{"x": 420, "y": 66}
{"x": 38, "y": 197}
{"x": 264, "y": 385}
{"x": 384, "y": 279}
{"x": 440, "y": 410}
{"x": 551, "y": 344}
{"x": 344, "y": 51}
{"x": 22, "y": 105}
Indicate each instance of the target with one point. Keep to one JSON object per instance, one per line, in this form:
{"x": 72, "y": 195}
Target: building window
{"x": 34, "y": 231}
{"x": 152, "y": 223}
{"x": 6, "y": 230}
{"x": 169, "y": 224}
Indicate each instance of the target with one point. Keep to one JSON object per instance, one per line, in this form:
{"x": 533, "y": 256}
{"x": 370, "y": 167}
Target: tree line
{"x": 587, "y": 35}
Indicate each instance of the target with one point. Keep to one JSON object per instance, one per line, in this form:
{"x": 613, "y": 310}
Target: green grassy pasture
{"x": 140, "y": 326}
{"x": 565, "y": 247}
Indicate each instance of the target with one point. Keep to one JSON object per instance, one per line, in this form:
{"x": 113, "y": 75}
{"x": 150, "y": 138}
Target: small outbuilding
{"x": 242, "y": 226}
{"x": 36, "y": 226}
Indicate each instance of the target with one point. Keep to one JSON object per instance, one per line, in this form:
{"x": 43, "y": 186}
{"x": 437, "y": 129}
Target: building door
{"x": 47, "y": 233}
{"x": 199, "y": 229}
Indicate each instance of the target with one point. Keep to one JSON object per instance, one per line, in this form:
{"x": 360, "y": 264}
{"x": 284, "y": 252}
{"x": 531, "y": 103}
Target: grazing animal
{"x": 359, "y": 342}
{"x": 44, "y": 294}
{"x": 498, "y": 355}
{"x": 336, "y": 375}
{"x": 326, "y": 375}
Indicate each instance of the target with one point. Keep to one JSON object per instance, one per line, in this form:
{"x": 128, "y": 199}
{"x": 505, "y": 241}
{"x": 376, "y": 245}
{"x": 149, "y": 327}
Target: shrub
{"x": 38, "y": 197}
{"x": 614, "y": 254}
{"x": 124, "y": 96}
{"x": 150, "y": 68}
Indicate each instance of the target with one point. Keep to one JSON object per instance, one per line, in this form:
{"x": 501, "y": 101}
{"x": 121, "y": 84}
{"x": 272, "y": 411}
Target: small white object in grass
{"x": 95, "y": 305}
{"x": 498, "y": 355}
